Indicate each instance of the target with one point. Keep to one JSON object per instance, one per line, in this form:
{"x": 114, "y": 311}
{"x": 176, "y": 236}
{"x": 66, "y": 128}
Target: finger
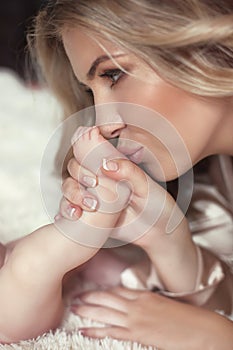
{"x": 126, "y": 292}
{"x": 81, "y": 174}
{"x": 104, "y": 298}
{"x": 101, "y": 314}
{"x": 127, "y": 171}
{"x": 77, "y": 195}
{"x": 68, "y": 210}
{"x": 120, "y": 333}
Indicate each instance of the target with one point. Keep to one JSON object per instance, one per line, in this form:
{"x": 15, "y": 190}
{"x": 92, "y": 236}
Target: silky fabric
{"x": 210, "y": 217}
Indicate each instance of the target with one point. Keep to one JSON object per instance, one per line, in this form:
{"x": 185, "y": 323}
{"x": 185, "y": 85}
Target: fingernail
{"x": 70, "y": 211}
{"x": 89, "y": 181}
{"x": 73, "y": 308}
{"x": 110, "y": 165}
{"x": 57, "y": 217}
{"x": 89, "y": 202}
{"x": 82, "y": 331}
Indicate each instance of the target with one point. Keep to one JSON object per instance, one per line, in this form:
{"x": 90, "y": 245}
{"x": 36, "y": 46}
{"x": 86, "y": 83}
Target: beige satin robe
{"x": 210, "y": 217}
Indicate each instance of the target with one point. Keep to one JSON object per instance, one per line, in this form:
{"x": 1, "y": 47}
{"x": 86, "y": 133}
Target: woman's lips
{"x": 134, "y": 155}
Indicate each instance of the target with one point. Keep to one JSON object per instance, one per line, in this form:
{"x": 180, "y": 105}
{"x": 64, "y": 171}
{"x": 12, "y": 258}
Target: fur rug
{"x": 27, "y": 120}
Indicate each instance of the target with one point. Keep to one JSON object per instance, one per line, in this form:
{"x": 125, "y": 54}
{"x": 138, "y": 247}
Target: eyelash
{"x": 114, "y": 75}
{"x": 89, "y": 91}
{"x": 110, "y": 74}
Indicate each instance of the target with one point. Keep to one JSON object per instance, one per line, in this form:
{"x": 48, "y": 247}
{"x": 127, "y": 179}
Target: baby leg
{"x": 90, "y": 147}
{"x": 92, "y": 229}
{"x": 31, "y": 278}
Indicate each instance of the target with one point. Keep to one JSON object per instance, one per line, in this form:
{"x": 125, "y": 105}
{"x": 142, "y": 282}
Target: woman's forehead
{"x": 83, "y": 40}
{"x": 83, "y": 49}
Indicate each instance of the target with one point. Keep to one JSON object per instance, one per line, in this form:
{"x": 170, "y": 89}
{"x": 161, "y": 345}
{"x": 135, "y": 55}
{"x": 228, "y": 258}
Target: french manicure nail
{"x": 70, "y": 211}
{"x": 89, "y": 181}
{"x": 89, "y": 202}
{"x": 73, "y": 309}
{"x": 110, "y": 165}
{"x": 57, "y": 217}
{"x": 81, "y": 331}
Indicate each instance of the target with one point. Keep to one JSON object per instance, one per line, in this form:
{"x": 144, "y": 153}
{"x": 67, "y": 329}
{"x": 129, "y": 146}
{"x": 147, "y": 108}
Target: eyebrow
{"x": 100, "y": 59}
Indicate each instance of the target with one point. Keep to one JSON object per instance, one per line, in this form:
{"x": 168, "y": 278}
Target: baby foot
{"x": 90, "y": 148}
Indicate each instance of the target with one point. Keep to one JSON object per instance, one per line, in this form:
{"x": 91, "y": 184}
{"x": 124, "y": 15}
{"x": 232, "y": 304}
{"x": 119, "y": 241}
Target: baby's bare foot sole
{"x": 92, "y": 229}
{"x": 90, "y": 148}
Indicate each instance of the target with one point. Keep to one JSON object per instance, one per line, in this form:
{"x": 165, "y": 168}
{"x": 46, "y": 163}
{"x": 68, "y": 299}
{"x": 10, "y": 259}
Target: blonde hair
{"x": 189, "y": 43}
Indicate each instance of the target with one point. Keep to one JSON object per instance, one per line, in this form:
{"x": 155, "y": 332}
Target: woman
{"x": 172, "y": 58}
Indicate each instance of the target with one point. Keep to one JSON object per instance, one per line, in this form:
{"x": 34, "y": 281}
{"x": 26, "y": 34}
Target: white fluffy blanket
{"x": 27, "y": 120}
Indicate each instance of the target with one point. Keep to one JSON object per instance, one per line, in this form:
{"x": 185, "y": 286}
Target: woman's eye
{"x": 89, "y": 91}
{"x": 86, "y": 88}
{"x": 114, "y": 75}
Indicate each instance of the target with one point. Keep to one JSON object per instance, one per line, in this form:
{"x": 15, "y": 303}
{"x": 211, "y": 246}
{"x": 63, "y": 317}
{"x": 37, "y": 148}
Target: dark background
{"x": 15, "y": 18}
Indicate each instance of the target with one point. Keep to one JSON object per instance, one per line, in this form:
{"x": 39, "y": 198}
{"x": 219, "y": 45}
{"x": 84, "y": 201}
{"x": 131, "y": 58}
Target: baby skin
{"x": 32, "y": 271}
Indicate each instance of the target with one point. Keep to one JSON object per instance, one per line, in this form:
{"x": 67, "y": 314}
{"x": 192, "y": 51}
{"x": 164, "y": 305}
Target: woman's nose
{"x": 111, "y": 130}
{"x": 109, "y": 121}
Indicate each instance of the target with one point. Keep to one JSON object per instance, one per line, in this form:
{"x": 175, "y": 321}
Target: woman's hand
{"x": 75, "y": 189}
{"x": 149, "y": 204}
{"x": 143, "y": 221}
{"x": 152, "y": 319}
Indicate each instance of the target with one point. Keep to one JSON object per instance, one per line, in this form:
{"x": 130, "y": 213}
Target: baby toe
{"x": 79, "y": 133}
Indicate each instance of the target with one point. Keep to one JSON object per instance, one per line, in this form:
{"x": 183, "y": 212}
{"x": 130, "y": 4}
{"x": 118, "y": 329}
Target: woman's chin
{"x": 159, "y": 174}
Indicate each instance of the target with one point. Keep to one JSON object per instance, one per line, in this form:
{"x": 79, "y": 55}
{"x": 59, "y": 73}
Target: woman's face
{"x": 195, "y": 120}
